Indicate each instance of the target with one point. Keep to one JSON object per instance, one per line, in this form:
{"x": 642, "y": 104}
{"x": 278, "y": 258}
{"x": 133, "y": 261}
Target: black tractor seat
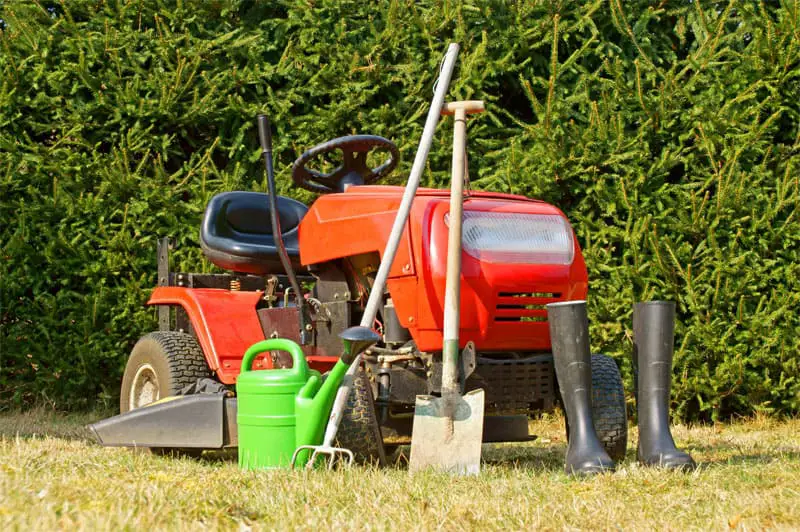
{"x": 236, "y": 233}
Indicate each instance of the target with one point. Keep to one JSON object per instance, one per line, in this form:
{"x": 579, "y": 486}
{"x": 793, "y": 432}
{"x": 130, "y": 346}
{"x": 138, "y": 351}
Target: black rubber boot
{"x": 653, "y": 339}
{"x": 569, "y": 334}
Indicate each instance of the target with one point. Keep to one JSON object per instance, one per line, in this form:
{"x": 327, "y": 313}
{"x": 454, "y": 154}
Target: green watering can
{"x": 281, "y": 409}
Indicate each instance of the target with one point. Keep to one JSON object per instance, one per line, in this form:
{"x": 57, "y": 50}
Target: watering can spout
{"x": 314, "y": 401}
{"x": 356, "y": 340}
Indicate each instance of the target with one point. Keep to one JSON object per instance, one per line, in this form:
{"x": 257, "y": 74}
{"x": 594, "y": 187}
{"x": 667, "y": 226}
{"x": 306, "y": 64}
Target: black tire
{"x": 608, "y": 406}
{"x": 359, "y": 430}
{"x": 160, "y": 365}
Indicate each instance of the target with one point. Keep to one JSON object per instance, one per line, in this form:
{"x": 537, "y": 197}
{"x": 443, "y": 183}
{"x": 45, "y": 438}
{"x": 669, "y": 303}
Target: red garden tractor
{"x": 519, "y": 254}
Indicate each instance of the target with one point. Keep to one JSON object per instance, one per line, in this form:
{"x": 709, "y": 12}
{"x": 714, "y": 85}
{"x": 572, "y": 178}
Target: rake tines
{"x": 335, "y": 454}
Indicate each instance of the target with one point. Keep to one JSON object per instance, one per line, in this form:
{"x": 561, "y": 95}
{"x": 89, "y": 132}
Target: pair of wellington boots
{"x": 653, "y": 327}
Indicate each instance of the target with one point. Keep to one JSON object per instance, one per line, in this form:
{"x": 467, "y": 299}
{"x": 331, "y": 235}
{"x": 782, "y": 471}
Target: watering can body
{"x": 281, "y": 409}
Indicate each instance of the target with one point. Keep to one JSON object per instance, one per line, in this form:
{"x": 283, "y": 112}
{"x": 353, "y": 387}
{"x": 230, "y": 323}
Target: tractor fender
{"x": 224, "y": 321}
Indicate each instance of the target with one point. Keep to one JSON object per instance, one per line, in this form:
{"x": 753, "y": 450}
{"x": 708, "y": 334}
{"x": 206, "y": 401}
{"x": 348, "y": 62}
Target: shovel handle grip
{"x": 469, "y": 106}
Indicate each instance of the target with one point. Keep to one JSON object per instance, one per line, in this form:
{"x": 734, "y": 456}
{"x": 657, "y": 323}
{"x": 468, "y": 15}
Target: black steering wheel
{"x": 352, "y": 171}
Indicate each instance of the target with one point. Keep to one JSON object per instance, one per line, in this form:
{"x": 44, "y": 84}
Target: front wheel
{"x": 161, "y": 364}
{"x": 359, "y": 430}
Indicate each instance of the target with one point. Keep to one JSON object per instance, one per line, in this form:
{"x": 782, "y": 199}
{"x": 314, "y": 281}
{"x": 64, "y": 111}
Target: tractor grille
{"x": 523, "y": 306}
{"x": 517, "y": 385}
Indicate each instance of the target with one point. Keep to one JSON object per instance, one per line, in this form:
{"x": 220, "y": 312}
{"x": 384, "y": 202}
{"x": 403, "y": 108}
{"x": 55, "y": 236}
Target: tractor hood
{"x": 518, "y": 255}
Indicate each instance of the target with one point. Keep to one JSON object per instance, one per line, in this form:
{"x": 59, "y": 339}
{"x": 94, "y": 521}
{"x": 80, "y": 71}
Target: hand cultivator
{"x": 459, "y": 313}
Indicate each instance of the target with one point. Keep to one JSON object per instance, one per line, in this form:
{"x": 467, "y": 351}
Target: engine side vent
{"x": 523, "y": 306}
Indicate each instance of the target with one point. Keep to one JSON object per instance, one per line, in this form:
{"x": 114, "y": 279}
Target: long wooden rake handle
{"x": 376, "y": 294}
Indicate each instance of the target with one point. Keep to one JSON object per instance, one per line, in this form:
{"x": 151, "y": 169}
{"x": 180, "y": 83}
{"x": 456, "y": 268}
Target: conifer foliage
{"x": 667, "y": 132}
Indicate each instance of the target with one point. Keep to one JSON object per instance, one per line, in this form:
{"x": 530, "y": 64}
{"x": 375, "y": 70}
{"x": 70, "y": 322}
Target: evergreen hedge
{"x": 667, "y": 133}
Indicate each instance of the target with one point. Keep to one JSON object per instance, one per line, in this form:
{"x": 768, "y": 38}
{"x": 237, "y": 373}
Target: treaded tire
{"x": 608, "y": 406}
{"x": 167, "y": 361}
{"x": 359, "y": 430}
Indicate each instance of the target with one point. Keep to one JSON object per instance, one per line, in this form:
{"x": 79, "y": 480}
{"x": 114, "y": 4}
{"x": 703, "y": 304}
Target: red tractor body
{"x": 502, "y": 303}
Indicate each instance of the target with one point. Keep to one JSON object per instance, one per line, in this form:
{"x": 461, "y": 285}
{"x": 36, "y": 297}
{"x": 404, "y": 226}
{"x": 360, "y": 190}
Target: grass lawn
{"x": 53, "y": 477}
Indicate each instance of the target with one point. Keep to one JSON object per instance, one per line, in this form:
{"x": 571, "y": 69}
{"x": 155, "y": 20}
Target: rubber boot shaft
{"x": 569, "y": 334}
{"x": 653, "y": 343}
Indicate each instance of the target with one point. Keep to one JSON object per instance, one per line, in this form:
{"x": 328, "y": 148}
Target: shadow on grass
{"x": 526, "y": 456}
{"x": 551, "y": 457}
{"x": 513, "y": 455}
{"x": 219, "y": 456}
{"x": 522, "y": 456}
{"x": 723, "y": 454}
{"x": 40, "y": 423}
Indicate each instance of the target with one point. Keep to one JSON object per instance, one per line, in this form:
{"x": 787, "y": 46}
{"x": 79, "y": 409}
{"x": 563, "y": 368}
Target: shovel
{"x": 448, "y": 430}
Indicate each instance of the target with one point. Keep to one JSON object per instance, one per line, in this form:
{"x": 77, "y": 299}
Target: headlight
{"x": 517, "y": 238}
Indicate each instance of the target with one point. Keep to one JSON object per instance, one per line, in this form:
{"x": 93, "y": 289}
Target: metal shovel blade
{"x": 447, "y": 433}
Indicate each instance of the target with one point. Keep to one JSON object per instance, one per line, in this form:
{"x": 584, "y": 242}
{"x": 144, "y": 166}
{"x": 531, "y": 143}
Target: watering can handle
{"x": 299, "y": 364}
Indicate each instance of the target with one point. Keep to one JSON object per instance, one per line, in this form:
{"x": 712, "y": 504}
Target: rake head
{"x": 334, "y": 455}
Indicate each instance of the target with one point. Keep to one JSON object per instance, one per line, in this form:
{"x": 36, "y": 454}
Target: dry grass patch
{"x": 52, "y": 476}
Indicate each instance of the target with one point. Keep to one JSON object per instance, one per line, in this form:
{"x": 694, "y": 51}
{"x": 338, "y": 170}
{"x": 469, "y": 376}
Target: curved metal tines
{"x": 335, "y": 455}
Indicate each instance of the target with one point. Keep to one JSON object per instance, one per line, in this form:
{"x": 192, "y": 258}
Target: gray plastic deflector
{"x": 192, "y": 421}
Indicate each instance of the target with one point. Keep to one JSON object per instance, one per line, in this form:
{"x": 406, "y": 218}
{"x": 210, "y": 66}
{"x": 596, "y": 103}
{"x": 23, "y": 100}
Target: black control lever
{"x": 265, "y": 136}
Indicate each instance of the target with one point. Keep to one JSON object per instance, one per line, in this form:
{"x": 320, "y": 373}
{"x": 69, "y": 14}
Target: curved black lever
{"x": 265, "y": 136}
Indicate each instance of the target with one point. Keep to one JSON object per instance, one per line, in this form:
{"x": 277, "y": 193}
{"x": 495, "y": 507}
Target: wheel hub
{"x": 145, "y": 388}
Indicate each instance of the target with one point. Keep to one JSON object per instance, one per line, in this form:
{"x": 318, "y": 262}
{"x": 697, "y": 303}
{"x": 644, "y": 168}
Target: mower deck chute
{"x": 201, "y": 421}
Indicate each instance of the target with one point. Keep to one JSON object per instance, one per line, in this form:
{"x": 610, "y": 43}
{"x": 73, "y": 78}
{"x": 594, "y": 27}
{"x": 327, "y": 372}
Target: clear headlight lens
{"x": 517, "y": 238}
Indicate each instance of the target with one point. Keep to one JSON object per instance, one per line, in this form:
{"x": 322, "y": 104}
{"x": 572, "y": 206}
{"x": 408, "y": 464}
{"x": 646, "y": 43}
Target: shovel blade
{"x": 447, "y": 433}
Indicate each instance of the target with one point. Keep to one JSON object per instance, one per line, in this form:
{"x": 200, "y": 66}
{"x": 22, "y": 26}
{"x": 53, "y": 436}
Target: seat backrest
{"x": 236, "y": 233}
{"x": 249, "y": 213}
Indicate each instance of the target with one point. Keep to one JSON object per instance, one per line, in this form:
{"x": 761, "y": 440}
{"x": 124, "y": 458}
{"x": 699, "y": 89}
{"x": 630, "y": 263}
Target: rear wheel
{"x": 359, "y": 430}
{"x": 608, "y": 406}
{"x": 161, "y": 364}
